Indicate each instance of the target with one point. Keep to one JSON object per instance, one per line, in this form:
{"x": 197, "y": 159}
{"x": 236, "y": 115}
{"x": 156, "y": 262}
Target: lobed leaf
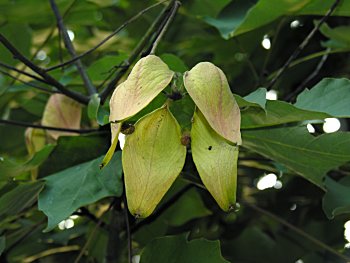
{"x": 173, "y": 249}
{"x": 77, "y": 186}
{"x": 312, "y": 157}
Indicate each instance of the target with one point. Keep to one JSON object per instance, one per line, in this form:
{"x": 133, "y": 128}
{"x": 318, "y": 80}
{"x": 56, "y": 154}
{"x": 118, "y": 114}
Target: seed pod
{"x": 153, "y": 157}
{"x": 216, "y": 162}
{"x": 147, "y": 79}
{"x": 209, "y": 89}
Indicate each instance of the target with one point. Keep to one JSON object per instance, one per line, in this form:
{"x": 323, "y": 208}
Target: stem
{"x": 249, "y": 62}
{"x": 27, "y": 83}
{"x": 37, "y": 126}
{"x": 114, "y": 246}
{"x": 269, "y": 52}
{"x": 91, "y": 235}
{"x": 69, "y": 45}
{"x": 303, "y": 44}
{"x": 165, "y": 27}
{"x": 23, "y": 72}
{"x": 49, "y": 79}
{"x": 297, "y": 230}
{"x": 136, "y": 52}
{"x": 314, "y": 73}
{"x": 105, "y": 39}
{"x": 128, "y": 232}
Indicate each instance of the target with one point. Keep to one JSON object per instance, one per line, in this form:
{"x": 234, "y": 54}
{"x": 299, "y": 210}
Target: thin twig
{"x": 314, "y": 73}
{"x": 23, "y": 72}
{"x": 249, "y": 62}
{"x": 69, "y": 45}
{"x": 164, "y": 29}
{"x": 303, "y": 44}
{"x": 128, "y": 232}
{"x": 107, "y": 38}
{"x": 92, "y": 234}
{"x": 269, "y": 51}
{"x": 297, "y": 230}
{"x": 49, "y": 79}
{"x": 27, "y": 83}
{"x": 136, "y": 52}
{"x": 50, "y": 128}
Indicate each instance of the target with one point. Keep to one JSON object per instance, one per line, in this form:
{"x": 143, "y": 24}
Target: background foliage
{"x": 44, "y": 181}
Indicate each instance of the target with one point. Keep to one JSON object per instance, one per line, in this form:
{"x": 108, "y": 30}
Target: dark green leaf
{"x": 339, "y": 37}
{"x": 266, "y": 11}
{"x": 240, "y": 247}
{"x": 93, "y": 106}
{"x": 20, "y": 36}
{"x": 103, "y": 115}
{"x": 2, "y": 244}
{"x": 336, "y": 201}
{"x": 183, "y": 111}
{"x": 10, "y": 168}
{"x": 230, "y": 17}
{"x": 312, "y": 157}
{"x": 100, "y": 70}
{"x": 77, "y": 186}
{"x": 205, "y": 7}
{"x": 188, "y": 207}
{"x": 19, "y": 198}
{"x": 72, "y": 150}
{"x": 174, "y": 62}
{"x": 258, "y": 97}
{"x": 275, "y": 113}
{"x": 330, "y": 96}
{"x": 174, "y": 249}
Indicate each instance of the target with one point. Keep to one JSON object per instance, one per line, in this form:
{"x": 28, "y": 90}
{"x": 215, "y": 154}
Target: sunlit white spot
{"x": 41, "y": 55}
{"x": 267, "y": 181}
{"x": 331, "y": 125}
{"x": 136, "y": 259}
{"x": 347, "y": 233}
{"x": 74, "y": 217}
{"x": 293, "y": 207}
{"x": 295, "y": 24}
{"x": 1, "y": 159}
{"x": 69, "y": 223}
{"x": 271, "y": 95}
{"x": 61, "y": 225}
{"x": 310, "y": 128}
{"x": 121, "y": 138}
{"x": 266, "y": 42}
{"x": 278, "y": 185}
{"x": 299, "y": 261}
{"x": 71, "y": 35}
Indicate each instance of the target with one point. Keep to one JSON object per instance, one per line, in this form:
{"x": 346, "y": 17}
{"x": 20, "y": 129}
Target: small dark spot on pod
{"x": 210, "y": 147}
{"x": 186, "y": 140}
{"x": 127, "y": 128}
